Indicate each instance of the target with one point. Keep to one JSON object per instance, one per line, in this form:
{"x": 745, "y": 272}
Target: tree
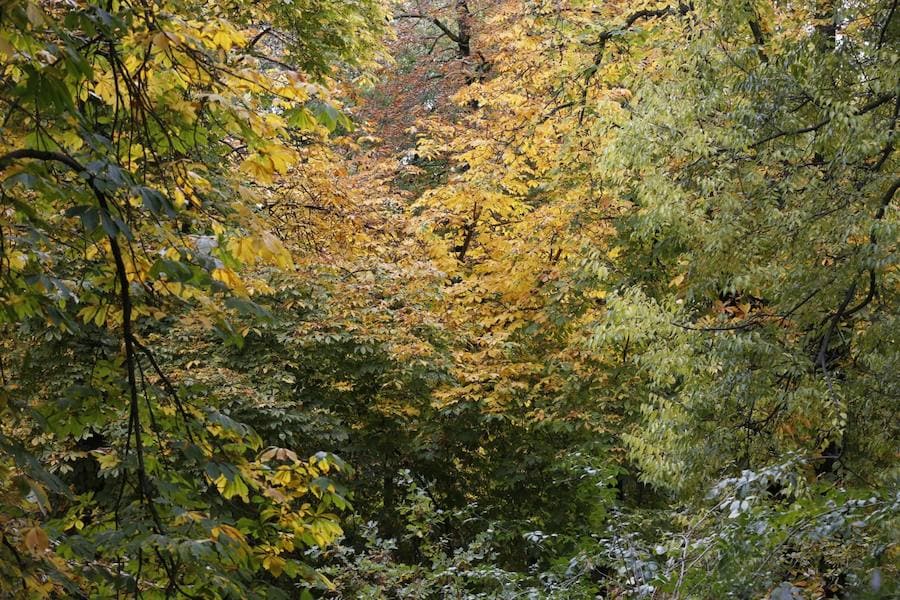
{"x": 692, "y": 203}
{"x": 139, "y": 140}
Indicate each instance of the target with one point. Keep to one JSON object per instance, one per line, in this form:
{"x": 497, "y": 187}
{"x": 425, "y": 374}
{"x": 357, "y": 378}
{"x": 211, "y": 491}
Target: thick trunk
{"x": 827, "y": 27}
{"x": 463, "y": 28}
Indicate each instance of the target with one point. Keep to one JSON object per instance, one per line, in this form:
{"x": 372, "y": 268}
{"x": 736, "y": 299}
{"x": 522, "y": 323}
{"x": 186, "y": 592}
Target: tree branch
{"x": 437, "y": 22}
{"x": 887, "y": 22}
{"x": 759, "y": 39}
{"x": 870, "y": 106}
{"x": 125, "y": 298}
{"x": 607, "y": 35}
{"x": 842, "y": 310}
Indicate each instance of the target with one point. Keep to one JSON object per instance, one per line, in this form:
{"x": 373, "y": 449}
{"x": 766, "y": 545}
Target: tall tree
{"x": 691, "y": 207}
{"x": 139, "y": 142}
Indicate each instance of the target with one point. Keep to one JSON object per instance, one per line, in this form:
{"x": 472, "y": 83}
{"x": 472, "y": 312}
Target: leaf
{"x": 161, "y": 41}
{"x": 330, "y": 117}
{"x": 109, "y": 226}
{"x": 154, "y": 201}
{"x": 274, "y": 564}
{"x": 232, "y": 487}
{"x": 302, "y": 119}
{"x": 259, "y": 167}
{"x": 173, "y": 270}
{"x": 36, "y": 540}
{"x": 280, "y": 157}
{"x": 248, "y": 308}
{"x": 34, "y": 13}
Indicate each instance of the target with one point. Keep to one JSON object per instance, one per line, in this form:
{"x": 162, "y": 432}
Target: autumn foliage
{"x": 448, "y": 299}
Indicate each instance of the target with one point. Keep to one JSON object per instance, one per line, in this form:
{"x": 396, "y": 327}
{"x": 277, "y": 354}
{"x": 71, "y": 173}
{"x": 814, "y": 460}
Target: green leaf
{"x": 301, "y": 118}
{"x": 248, "y": 308}
{"x": 174, "y": 270}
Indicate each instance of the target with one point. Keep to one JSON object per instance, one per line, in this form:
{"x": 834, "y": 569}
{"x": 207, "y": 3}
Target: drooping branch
{"x": 822, "y": 355}
{"x": 641, "y": 15}
{"x": 887, "y": 23}
{"x": 843, "y": 311}
{"x": 464, "y": 25}
{"x": 868, "y": 107}
{"x": 6, "y": 161}
{"x": 43, "y": 155}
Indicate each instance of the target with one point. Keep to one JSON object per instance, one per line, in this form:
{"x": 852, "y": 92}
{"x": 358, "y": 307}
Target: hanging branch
{"x": 134, "y": 422}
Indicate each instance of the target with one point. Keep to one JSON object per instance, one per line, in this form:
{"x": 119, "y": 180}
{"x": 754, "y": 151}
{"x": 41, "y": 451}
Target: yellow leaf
{"x": 36, "y": 540}
{"x": 229, "y": 278}
{"x": 100, "y": 316}
{"x": 161, "y": 41}
{"x": 6, "y": 48}
{"x": 282, "y": 476}
{"x": 259, "y": 167}
{"x": 107, "y": 460}
{"x": 228, "y": 531}
{"x": 274, "y": 564}
{"x": 282, "y": 158}
{"x": 17, "y": 260}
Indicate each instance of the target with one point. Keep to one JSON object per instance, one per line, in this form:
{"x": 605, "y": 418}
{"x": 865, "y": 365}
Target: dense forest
{"x": 460, "y": 299}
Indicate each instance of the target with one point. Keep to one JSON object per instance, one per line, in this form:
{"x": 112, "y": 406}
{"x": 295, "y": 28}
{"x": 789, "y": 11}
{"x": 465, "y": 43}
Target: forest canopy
{"x": 449, "y": 299}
